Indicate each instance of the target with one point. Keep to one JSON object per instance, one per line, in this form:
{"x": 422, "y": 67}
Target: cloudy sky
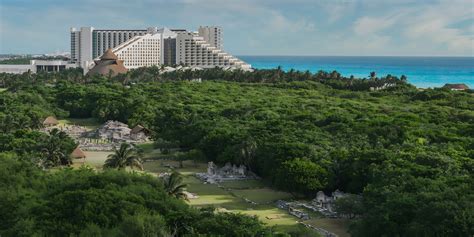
{"x": 257, "y": 27}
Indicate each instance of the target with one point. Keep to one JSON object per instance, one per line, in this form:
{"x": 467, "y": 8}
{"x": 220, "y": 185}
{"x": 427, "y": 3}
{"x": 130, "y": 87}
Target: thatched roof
{"x": 109, "y": 55}
{"x": 78, "y": 153}
{"x": 137, "y": 129}
{"x": 108, "y": 63}
{"x": 50, "y": 121}
{"x": 456, "y": 86}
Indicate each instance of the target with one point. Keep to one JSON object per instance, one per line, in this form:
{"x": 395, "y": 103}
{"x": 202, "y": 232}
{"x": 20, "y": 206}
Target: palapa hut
{"x": 109, "y": 64}
{"x": 50, "y": 121}
{"x": 78, "y": 154}
{"x": 139, "y": 133}
{"x": 456, "y": 87}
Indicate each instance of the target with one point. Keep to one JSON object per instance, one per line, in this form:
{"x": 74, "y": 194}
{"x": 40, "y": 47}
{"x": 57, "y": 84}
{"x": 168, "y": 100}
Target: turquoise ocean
{"x": 423, "y": 72}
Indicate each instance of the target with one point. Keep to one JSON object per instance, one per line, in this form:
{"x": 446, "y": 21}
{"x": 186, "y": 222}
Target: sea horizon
{"x": 421, "y": 71}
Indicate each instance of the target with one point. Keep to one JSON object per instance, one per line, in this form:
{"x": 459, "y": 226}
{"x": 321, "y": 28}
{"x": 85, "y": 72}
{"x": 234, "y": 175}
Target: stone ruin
{"x": 226, "y": 173}
{"x": 113, "y": 130}
{"x": 111, "y": 134}
{"x": 105, "y": 138}
{"x": 294, "y": 209}
{"x": 298, "y": 213}
{"x": 74, "y": 131}
{"x": 326, "y": 203}
{"x": 116, "y": 131}
{"x": 322, "y": 203}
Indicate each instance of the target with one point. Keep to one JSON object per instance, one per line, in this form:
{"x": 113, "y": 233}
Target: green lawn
{"x": 212, "y": 195}
{"x": 89, "y": 123}
{"x": 189, "y": 167}
{"x": 3, "y": 89}
{"x": 262, "y": 195}
{"x": 94, "y": 159}
{"x": 231, "y": 200}
{"x": 337, "y": 226}
{"x": 243, "y": 184}
{"x": 147, "y": 147}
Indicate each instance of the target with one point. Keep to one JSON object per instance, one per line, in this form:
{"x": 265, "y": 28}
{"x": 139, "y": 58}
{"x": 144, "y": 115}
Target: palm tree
{"x": 372, "y": 75}
{"x": 174, "y": 186}
{"x": 247, "y": 150}
{"x": 125, "y": 156}
{"x": 52, "y": 155}
{"x": 52, "y": 152}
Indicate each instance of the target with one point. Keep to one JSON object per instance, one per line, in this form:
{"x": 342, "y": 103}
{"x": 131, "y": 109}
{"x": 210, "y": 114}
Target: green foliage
{"x": 349, "y": 205}
{"x": 83, "y": 202}
{"x": 57, "y": 149}
{"x": 126, "y": 155}
{"x": 405, "y": 150}
{"x": 301, "y": 176}
{"x": 174, "y": 185}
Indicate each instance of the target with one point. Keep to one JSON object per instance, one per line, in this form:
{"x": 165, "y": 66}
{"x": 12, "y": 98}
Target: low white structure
{"x": 17, "y": 69}
{"x": 37, "y": 66}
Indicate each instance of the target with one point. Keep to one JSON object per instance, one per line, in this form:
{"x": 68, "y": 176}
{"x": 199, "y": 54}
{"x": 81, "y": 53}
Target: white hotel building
{"x": 140, "y": 48}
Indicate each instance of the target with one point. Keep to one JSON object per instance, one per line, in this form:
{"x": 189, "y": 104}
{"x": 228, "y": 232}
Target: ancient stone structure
{"x": 107, "y": 137}
{"x": 115, "y": 131}
{"x": 227, "y": 172}
{"x": 298, "y": 213}
{"x": 327, "y": 202}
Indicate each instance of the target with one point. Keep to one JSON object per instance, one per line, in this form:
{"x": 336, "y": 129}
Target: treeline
{"x": 154, "y": 74}
{"x": 408, "y": 152}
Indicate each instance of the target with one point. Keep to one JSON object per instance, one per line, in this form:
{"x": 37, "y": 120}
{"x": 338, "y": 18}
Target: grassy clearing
{"x": 160, "y": 166}
{"x": 337, "y": 226}
{"x": 147, "y": 147}
{"x": 277, "y": 218}
{"x": 3, "y": 89}
{"x": 243, "y": 184}
{"x": 262, "y": 195}
{"x": 89, "y": 123}
{"x": 93, "y": 159}
{"x": 233, "y": 200}
{"x": 223, "y": 200}
{"x": 229, "y": 200}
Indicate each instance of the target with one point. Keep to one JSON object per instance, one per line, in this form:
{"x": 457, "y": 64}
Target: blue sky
{"x": 257, "y": 27}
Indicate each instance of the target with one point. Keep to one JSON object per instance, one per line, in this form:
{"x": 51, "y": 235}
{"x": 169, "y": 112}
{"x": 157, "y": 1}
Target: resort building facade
{"x": 140, "y": 48}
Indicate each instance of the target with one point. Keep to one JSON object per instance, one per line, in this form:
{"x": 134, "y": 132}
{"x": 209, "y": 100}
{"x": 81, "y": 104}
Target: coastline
{"x": 423, "y": 72}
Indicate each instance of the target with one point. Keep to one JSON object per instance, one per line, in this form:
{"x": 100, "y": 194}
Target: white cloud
{"x": 369, "y": 25}
{"x": 298, "y": 27}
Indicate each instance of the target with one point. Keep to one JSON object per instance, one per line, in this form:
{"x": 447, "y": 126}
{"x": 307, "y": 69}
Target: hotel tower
{"x": 153, "y": 46}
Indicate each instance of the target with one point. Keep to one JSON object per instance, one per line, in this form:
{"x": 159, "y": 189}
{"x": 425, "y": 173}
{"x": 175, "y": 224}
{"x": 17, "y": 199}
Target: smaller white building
{"x": 37, "y": 66}
{"x": 16, "y": 69}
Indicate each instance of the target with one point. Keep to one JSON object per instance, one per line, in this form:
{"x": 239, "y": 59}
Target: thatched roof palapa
{"x": 139, "y": 128}
{"x": 78, "y": 153}
{"x": 50, "y": 121}
{"x": 108, "y": 64}
{"x": 456, "y": 86}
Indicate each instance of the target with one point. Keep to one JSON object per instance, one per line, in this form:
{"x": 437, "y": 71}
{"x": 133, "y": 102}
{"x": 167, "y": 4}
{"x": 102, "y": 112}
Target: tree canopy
{"x": 407, "y": 152}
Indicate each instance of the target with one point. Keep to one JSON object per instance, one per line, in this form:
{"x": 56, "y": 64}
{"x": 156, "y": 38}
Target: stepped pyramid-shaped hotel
{"x": 140, "y": 48}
